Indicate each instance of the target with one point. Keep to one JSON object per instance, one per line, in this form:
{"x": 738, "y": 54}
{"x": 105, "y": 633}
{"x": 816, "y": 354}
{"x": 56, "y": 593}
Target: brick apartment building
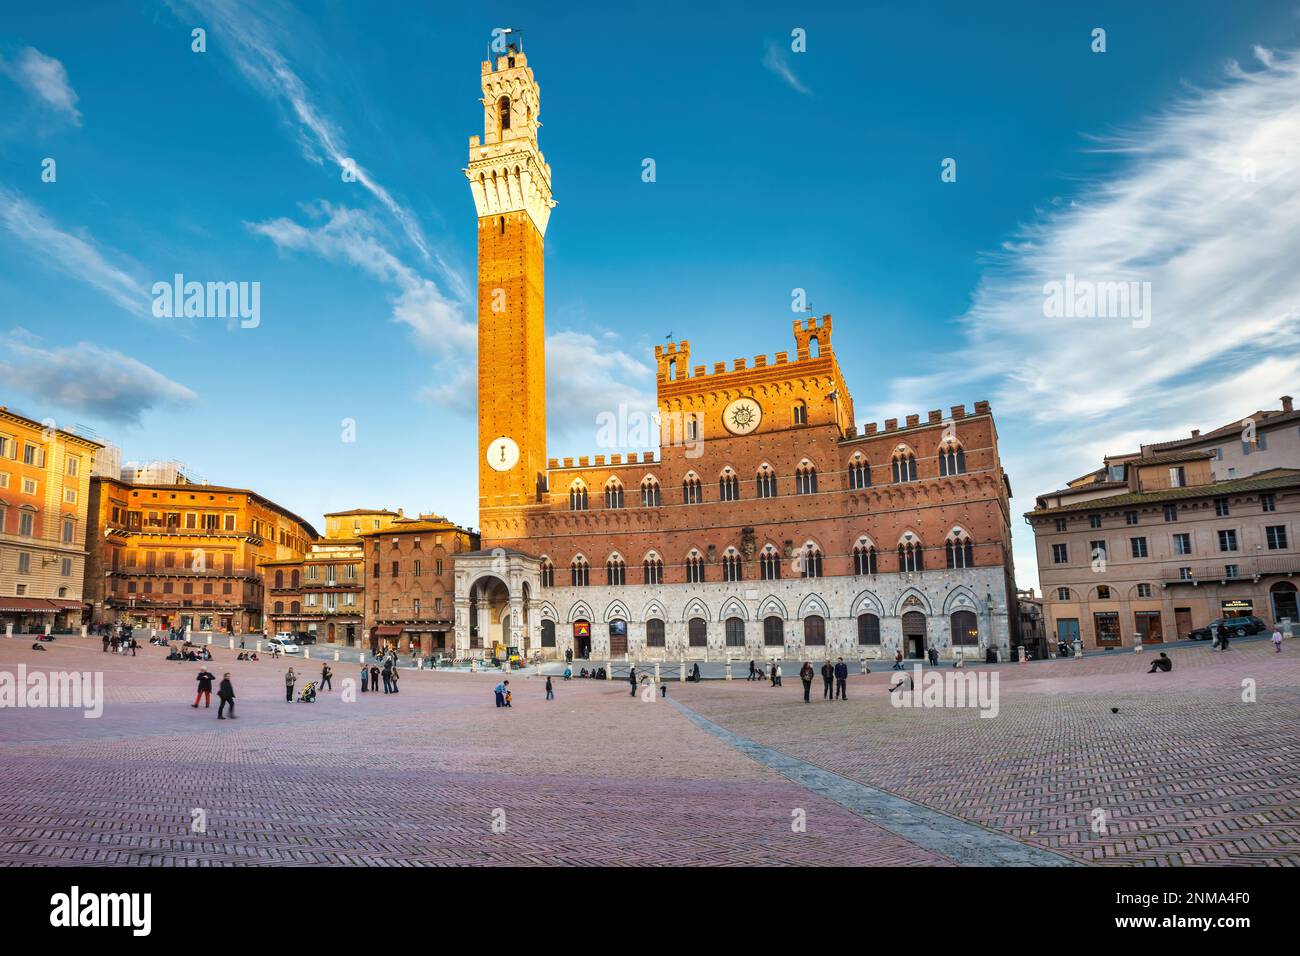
{"x": 410, "y": 585}
{"x": 185, "y": 555}
{"x": 323, "y": 593}
{"x": 44, "y": 496}
{"x": 766, "y": 523}
{"x": 1158, "y": 542}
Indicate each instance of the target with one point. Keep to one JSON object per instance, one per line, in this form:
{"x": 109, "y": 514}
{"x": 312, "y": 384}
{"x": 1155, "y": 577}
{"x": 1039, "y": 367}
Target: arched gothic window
{"x": 766, "y": 481}
{"x": 615, "y": 571}
{"x": 728, "y": 486}
{"x": 694, "y": 568}
{"x": 952, "y": 459}
{"x": 811, "y": 565}
{"x": 904, "y": 466}
{"x": 578, "y": 497}
{"x": 732, "y": 565}
{"x": 692, "y": 492}
{"x": 652, "y": 570}
{"x": 614, "y": 493}
{"x": 960, "y": 551}
{"x": 650, "y": 495}
{"x": 864, "y": 559}
{"x": 805, "y": 479}
{"x": 911, "y": 557}
{"x": 579, "y": 572}
{"x": 769, "y": 564}
{"x": 859, "y": 473}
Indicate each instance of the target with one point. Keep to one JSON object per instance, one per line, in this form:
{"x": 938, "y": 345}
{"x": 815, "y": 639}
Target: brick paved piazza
{"x": 1186, "y": 771}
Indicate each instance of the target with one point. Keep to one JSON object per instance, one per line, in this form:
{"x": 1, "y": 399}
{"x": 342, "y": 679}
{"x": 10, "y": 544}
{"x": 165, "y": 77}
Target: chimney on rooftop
{"x": 1286, "y": 403}
{"x": 1196, "y": 433}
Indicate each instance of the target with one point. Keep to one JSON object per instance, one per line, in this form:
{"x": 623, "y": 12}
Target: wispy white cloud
{"x": 353, "y": 236}
{"x": 1204, "y": 207}
{"x": 69, "y": 253}
{"x": 252, "y": 35}
{"x": 587, "y": 377}
{"x": 46, "y": 79}
{"x": 776, "y": 60}
{"x": 85, "y": 377}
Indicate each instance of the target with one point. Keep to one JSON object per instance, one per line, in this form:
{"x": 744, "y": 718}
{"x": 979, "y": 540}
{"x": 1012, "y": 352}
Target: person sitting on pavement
{"x": 1161, "y": 663}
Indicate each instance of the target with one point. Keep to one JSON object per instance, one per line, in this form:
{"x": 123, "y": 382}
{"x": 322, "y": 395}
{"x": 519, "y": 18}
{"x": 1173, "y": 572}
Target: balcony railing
{"x": 1247, "y": 567}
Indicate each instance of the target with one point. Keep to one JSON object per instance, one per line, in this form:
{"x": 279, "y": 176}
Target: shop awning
{"x": 34, "y": 605}
{"x": 388, "y": 630}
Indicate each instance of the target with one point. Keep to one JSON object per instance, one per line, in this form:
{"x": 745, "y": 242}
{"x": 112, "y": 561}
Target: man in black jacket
{"x": 841, "y": 679}
{"x": 828, "y": 681}
{"x": 226, "y": 693}
{"x": 205, "y": 680}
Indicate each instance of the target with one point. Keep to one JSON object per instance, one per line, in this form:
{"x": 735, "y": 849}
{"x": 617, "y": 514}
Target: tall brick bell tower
{"x": 511, "y": 183}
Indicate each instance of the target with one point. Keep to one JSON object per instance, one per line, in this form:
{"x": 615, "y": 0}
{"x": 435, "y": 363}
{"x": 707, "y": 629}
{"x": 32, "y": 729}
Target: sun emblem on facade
{"x": 742, "y": 416}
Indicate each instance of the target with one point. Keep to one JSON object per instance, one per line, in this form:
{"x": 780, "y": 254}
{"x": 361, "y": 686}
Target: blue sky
{"x": 775, "y": 170}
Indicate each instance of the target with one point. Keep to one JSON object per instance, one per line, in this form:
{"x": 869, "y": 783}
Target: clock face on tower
{"x": 503, "y": 454}
{"x": 742, "y": 416}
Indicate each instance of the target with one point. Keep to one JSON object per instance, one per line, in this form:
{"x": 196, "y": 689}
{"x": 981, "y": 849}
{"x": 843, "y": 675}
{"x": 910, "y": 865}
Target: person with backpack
{"x": 806, "y": 674}
{"x": 325, "y": 675}
{"x": 550, "y": 691}
{"x": 290, "y": 678}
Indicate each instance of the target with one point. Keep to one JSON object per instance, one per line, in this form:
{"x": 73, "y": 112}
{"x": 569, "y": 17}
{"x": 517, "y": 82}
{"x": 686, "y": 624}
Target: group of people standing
{"x": 373, "y": 674}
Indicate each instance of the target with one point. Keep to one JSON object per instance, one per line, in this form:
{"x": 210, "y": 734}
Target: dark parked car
{"x": 305, "y": 637}
{"x": 1237, "y": 626}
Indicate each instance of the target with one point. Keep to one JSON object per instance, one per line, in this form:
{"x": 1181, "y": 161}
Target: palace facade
{"x": 766, "y": 524}
{"x": 185, "y": 555}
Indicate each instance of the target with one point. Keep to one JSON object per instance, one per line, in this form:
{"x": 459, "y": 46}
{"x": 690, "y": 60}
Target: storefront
{"x": 35, "y": 615}
{"x": 1237, "y": 607}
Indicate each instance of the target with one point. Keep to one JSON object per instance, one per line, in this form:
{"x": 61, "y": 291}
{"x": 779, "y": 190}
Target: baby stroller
{"x": 308, "y": 693}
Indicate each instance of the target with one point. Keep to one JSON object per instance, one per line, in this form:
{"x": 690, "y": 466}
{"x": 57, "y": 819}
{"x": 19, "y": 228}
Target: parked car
{"x": 285, "y": 642}
{"x": 1237, "y": 626}
{"x": 305, "y": 637}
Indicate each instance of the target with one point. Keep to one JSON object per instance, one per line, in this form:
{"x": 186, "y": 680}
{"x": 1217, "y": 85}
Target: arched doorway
{"x": 618, "y": 636}
{"x": 1284, "y": 601}
{"x": 582, "y": 638}
{"x": 489, "y": 614}
{"x": 914, "y": 635}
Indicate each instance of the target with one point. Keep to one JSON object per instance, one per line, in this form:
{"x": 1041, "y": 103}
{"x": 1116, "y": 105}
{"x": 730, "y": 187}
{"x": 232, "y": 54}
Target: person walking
{"x": 500, "y": 691}
{"x": 392, "y": 679}
{"x": 550, "y": 691}
{"x": 374, "y": 678}
{"x": 776, "y": 675}
{"x": 806, "y": 674}
{"x": 205, "y": 680}
{"x": 325, "y": 675}
{"x": 290, "y": 678}
{"x": 106, "y": 642}
{"x": 631, "y": 679}
{"x": 841, "y": 679}
{"x": 933, "y": 654}
{"x": 898, "y": 660}
{"x": 568, "y": 655}
{"x": 753, "y": 672}
{"x": 1224, "y": 635}
{"x": 226, "y": 695}
{"x": 365, "y": 676}
{"x": 1277, "y": 639}
{"x": 387, "y": 674}
{"x": 828, "y": 680}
